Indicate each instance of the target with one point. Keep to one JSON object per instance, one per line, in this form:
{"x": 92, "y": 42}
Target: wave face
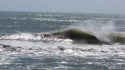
{"x": 61, "y": 41}
{"x": 90, "y": 38}
{"x": 78, "y": 35}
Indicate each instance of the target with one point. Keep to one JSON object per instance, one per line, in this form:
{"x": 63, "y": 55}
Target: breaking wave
{"x": 78, "y": 36}
{"x": 21, "y": 36}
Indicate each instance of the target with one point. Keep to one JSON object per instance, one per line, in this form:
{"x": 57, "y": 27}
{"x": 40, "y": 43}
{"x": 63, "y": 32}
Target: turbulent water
{"x": 61, "y": 41}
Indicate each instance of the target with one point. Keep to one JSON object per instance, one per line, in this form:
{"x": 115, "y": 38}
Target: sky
{"x": 75, "y": 6}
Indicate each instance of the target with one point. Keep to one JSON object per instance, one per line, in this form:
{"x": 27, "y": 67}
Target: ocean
{"x": 61, "y": 41}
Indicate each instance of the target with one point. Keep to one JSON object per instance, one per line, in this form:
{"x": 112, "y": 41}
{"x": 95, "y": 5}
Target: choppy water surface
{"x": 28, "y": 41}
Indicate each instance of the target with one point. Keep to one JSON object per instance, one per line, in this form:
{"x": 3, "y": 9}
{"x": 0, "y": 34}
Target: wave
{"x": 117, "y": 38}
{"x": 43, "y": 37}
{"x": 21, "y": 36}
{"x": 80, "y": 36}
{"x": 76, "y": 35}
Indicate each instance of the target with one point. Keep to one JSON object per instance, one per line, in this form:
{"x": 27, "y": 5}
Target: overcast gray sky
{"x": 82, "y": 6}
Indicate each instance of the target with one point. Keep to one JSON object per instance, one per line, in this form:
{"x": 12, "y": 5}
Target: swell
{"x": 78, "y": 36}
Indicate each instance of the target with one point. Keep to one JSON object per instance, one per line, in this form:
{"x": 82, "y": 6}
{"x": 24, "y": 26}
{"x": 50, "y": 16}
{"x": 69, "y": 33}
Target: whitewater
{"x": 61, "y": 41}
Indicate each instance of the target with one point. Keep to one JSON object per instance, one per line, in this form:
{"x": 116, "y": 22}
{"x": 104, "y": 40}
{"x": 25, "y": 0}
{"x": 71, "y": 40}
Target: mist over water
{"x": 27, "y": 41}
